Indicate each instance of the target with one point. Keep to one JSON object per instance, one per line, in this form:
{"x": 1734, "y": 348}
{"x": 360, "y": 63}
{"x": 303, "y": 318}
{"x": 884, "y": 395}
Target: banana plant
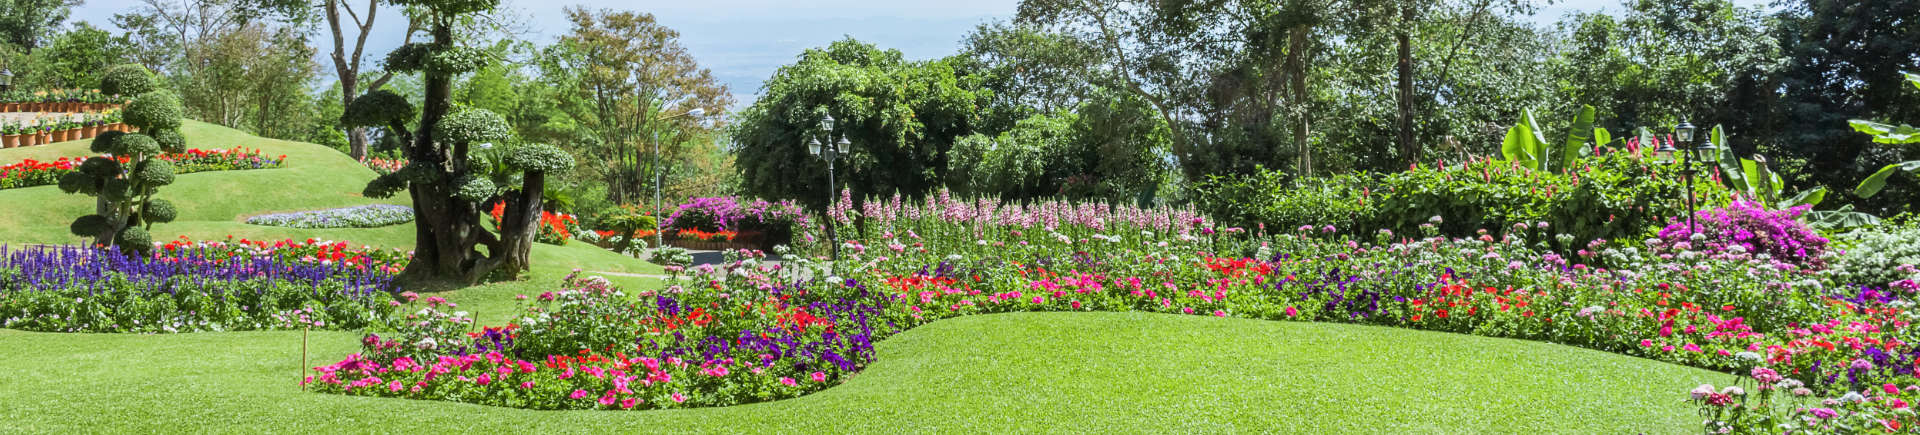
{"x": 1527, "y": 145}
{"x": 1753, "y": 179}
{"x": 1891, "y": 135}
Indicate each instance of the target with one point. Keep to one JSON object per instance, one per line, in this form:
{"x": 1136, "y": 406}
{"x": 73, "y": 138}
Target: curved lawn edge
{"x": 1015, "y": 371}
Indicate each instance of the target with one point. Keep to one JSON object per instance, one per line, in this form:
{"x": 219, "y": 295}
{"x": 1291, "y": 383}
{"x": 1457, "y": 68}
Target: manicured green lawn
{"x": 1046, "y": 372}
{"x": 1054, "y": 372}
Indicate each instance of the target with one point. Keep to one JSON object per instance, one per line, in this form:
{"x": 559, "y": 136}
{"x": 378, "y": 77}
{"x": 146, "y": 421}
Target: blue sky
{"x": 744, "y": 41}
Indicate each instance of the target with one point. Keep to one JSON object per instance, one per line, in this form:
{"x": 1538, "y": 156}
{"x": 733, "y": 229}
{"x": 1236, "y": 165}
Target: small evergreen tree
{"x": 124, "y": 182}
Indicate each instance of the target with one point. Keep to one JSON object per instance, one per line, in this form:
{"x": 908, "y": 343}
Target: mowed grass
{"x": 214, "y": 205}
{"x": 1036, "y": 372}
{"x": 1033, "y": 372}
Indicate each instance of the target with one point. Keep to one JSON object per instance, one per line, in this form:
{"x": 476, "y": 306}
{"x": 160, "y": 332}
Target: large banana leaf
{"x": 1878, "y": 180}
{"x": 1602, "y": 137}
{"x": 1842, "y": 219}
{"x": 1517, "y": 147}
{"x": 1810, "y": 197}
{"x": 1577, "y": 137}
{"x": 1887, "y": 133}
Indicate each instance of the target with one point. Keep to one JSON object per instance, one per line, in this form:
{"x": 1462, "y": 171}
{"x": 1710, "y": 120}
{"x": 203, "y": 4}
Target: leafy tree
{"x": 1845, "y": 62}
{"x": 26, "y": 23}
{"x": 624, "y": 82}
{"x": 125, "y": 181}
{"x": 448, "y": 178}
{"x": 77, "y": 57}
{"x": 901, "y": 119}
{"x": 347, "y": 64}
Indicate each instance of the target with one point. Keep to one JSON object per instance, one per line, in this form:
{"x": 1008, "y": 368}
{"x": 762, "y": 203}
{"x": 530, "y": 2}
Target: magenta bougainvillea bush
{"x": 1747, "y": 229}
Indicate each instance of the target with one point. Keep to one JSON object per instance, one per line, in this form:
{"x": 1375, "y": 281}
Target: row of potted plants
{"x": 43, "y": 133}
{"x": 60, "y": 100}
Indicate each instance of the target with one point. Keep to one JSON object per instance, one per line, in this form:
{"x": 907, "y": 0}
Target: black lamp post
{"x": 1690, "y": 153}
{"x": 830, "y": 152}
{"x": 6, "y": 79}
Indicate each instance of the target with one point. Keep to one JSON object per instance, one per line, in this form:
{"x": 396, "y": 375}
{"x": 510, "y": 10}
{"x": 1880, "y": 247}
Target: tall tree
{"x": 626, "y": 79}
{"x": 447, "y": 177}
{"x": 1845, "y": 63}
{"x": 26, "y": 23}
{"x": 901, "y": 118}
{"x": 346, "y": 65}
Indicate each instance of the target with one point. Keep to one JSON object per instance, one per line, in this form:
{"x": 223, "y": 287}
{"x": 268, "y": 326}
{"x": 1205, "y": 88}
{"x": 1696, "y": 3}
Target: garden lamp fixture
{"x": 6, "y": 79}
{"x": 829, "y": 150}
{"x": 659, "y": 239}
{"x": 1689, "y": 153}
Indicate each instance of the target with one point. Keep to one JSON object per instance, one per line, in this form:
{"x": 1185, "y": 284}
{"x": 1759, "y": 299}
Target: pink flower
{"x": 528, "y": 385}
{"x": 578, "y": 394}
{"x": 1219, "y": 313}
{"x": 396, "y": 387}
{"x": 1074, "y": 304}
{"x": 1890, "y": 389}
{"x": 819, "y": 377}
{"x": 629, "y": 403}
{"x": 1292, "y": 312}
{"x": 484, "y": 379}
{"x": 788, "y": 382}
{"x": 1188, "y": 310}
{"x": 607, "y": 400}
{"x": 678, "y": 398}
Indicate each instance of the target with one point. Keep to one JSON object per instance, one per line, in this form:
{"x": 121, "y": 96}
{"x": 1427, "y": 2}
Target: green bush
{"x": 157, "y": 110}
{"x": 377, "y": 109}
{"x": 1616, "y": 197}
{"x": 472, "y": 126}
{"x": 1279, "y": 202}
{"x": 540, "y": 158}
{"x": 128, "y": 80}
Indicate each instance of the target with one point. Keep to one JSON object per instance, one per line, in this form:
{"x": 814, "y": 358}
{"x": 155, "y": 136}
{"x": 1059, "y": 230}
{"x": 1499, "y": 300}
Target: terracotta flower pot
{"x": 9, "y": 141}
{"x": 6, "y": 107}
{"x": 46, "y": 138}
{"x": 57, "y": 136}
{"x": 27, "y": 140}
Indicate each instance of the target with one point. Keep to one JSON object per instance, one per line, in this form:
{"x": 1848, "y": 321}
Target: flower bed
{"x": 554, "y": 227}
{"x": 74, "y": 289}
{"x": 314, "y": 251}
{"x": 365, "y": 216}
{"x": 31, "y": 173}
{"x": 747, "y": 331}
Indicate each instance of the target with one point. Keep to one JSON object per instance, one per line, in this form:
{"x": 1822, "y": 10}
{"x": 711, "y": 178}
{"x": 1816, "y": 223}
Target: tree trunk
{"x": 1297, "y": 70}
{"x": 520, "y": 225}
{"x": 447, "y": 228}
{"x": 1409, "y": 151}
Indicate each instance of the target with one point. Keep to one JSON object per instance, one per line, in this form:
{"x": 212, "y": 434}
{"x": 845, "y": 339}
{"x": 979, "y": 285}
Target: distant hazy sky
{"x": 744, "y": 41}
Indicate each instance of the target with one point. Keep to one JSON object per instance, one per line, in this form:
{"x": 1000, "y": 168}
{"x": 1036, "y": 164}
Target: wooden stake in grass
{"x": 303, "y": 357}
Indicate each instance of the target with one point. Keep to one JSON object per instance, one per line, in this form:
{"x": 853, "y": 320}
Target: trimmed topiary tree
{"x": 128, "y": 80}
{"x": 124, "y": 182}
{"x": 449, "y": 180}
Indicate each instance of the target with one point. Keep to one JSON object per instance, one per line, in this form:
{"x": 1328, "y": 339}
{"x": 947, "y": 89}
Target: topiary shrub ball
{"x": 117, "y": 190}
{"x": 89, "y": 225}
{"x": 134, "y": 238}
{"x": 135, "y": 144}
{"x": 539, "y": 157}
{"x": 129, "y": 80}
{"x": 154, "y": 172}
{"x": 377, "y": 108}
{"x": 476, "y": 189}
{"x": 159, "y": 211}
{"x": 170, "y": 140}
{"x": 76, "y": 182}
{"x": 103, "y": 143}
{"x": 472, "y": 126}
{"x": 100, "y": 167}
{"x": 154, "y": 111}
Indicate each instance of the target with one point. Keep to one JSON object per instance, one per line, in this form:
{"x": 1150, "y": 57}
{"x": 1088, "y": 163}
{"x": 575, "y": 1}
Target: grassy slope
{"x": 1058, "y": 372}
{"x": 214, "y": 205}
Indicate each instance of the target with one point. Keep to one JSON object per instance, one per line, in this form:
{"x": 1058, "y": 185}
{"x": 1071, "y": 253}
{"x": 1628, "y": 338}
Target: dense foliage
{"x": 125, "y": 180}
